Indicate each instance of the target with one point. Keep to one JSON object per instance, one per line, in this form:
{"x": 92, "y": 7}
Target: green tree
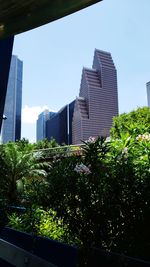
{"x": 18, "y": 164}
{"x": 128, "y": 204}
{"x": 24, "y": 144}
{"x": 135, "y": 122}
{"x": 45, "y": 143}
{"x": 78, "y": 191}
{"x": 104, "y": 196}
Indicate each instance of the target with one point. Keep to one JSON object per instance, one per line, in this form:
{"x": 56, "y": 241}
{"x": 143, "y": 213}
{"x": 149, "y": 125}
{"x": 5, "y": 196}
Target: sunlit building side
{"x": 97, "y": 103}
{"x": 41, "y": 124}
{"x": 11, "y": 127}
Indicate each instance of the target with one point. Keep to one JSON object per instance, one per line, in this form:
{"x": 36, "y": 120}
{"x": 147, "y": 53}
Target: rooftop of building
{"x": 102, "y": 51}
{"x": 148, "y": 83}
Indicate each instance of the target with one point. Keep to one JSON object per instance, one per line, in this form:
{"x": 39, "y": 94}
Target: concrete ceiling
{"x": 17, "y": 16}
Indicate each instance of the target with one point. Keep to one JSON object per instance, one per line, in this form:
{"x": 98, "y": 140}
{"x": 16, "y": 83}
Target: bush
{"x": 39, "y": 222}
{"x": 129, "y": 162}
{"x": 100, "y": 198}
{"x": 76, "y": 188}
{"x": 104, "y": 197}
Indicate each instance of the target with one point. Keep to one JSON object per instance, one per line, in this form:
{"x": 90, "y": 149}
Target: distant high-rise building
{"x": 98, "y": 99}
{"x": 41, "y": 124}
{"x": 60, "y": 126}
{"x": 11, "y": 127}
{"x": 148, "y": 93}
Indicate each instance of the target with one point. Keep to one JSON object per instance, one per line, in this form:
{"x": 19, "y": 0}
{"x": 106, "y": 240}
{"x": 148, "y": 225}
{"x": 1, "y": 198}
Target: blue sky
{"x": 54, "y": 55}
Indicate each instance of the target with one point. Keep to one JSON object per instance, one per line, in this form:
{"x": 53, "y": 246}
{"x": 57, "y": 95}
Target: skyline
{"x": 54, "y": 55}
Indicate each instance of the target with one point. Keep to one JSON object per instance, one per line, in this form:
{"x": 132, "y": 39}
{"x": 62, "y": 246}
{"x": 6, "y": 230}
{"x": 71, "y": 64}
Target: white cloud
{"x": 30, "y": 114}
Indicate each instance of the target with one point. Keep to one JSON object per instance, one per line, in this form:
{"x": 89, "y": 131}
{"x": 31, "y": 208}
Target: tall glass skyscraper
{"x": 11, "y": 127}
{"x": 60, "y": 126}
{"x": 41, "y": 124}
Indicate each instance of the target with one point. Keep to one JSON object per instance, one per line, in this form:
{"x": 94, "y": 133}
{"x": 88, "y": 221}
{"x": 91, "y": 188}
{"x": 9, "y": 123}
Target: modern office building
{"x": 11, "y": 127}
{"x": 148, "y": 93}
{"x": 92, "y": 112}
{"x": 60, "y": 126}
{"x": 41, "y": 124}
{"x": 97, "y": 103}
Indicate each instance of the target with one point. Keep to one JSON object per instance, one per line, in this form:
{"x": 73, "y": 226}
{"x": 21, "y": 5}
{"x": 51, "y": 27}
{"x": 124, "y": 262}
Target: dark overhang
{"x": 17, "y": 16}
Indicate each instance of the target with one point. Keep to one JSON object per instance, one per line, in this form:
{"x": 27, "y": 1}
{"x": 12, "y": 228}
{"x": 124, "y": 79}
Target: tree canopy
{"x": 135, "y": 122}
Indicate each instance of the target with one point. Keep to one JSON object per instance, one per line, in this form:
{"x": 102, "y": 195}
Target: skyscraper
{"x": 11, "y": 127}
{"x": 98, "y": 99}
{"x": 60, "y": 126}
{"x": 41, "y": 124}
{"x": 148, "y": 93}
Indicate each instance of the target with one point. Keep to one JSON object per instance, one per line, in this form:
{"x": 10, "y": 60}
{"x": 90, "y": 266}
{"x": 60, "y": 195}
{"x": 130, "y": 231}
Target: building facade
{"x": 97, "y": 103}
{"x": 11, "y": 127}
{"x": 60, "y": 126}
{"x": 41, "y": 124}
{"x": 148, "y": 93}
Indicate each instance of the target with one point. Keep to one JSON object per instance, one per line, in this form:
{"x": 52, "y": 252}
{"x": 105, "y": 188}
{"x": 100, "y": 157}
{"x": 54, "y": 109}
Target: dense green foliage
{"x": 39, "y": 222}
{"x": 136, "y": 122}
{"x": 17, "y": 165}
{"x": 104, "y": 197}
{"x": 99, "y": 197}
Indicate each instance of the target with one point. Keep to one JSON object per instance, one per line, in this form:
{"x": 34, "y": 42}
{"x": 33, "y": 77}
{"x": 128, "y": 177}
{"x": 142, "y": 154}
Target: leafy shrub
{"x": 39, "y": 222}
{"x": 17, "y": 164}
{"x": 100, "y": 198}
{"x": 45, "y": 143}
{"x": 104, "y": 196}
{"x": 76, "y": 192}
{"x": 129, "y": 161}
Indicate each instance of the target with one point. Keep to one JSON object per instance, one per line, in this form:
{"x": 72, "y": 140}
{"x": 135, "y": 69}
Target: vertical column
{"x": 148, "y": 94}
